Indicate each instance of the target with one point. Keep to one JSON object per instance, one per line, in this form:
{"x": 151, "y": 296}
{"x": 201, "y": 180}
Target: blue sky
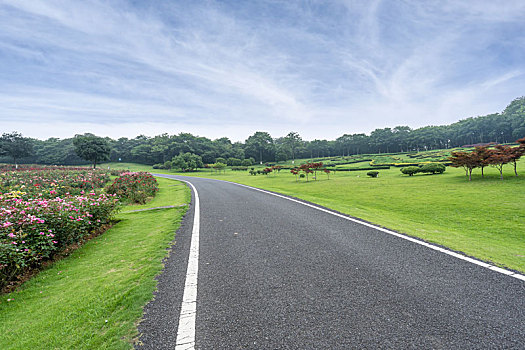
{"x": 230, "y": 68}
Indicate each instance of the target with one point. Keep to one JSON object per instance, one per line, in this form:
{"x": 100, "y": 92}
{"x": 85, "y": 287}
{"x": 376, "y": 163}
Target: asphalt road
{"x": 275, "y": 274}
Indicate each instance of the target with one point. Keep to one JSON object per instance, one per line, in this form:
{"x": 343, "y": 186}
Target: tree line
{"x": 503, "y": 127}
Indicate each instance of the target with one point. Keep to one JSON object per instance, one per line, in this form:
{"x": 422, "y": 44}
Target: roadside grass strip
{"x": 94, "y": 298}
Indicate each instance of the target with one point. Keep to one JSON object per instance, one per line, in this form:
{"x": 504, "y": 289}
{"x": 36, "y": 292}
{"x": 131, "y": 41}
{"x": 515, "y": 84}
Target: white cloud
{"x": 319, "y": 68}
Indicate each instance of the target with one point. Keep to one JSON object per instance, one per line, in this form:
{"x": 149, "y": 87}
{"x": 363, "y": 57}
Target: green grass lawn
{"x": 93, "y": 299}
{"x": 483, "y": 218}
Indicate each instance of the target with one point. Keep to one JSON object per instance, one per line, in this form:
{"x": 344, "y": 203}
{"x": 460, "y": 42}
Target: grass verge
{"x": 94, "y": 298}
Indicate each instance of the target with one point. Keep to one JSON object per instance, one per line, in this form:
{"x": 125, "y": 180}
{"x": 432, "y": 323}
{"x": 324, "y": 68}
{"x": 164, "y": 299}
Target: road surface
{"x": 276, "y": 274}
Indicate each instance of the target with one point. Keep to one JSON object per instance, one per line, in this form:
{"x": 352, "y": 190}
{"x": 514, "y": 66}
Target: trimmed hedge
{"x": 432, "y": 168}
{"x": 239, "y": 168}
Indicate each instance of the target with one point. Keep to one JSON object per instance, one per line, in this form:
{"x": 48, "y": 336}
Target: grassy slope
{"x": 110, "y": 278}
{"x": 483, "y": 218}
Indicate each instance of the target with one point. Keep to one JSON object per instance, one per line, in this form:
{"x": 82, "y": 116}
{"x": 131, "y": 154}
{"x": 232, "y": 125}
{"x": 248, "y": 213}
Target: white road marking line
{"x": 408, "y": 238}
{"x": 188, "y": 310}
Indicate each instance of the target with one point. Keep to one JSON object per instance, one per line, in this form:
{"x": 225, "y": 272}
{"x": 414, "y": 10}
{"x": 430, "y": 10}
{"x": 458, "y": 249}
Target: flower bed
{"x": 52, "y": 182}
{"x": 134, "y": 187}
{"x": 44, "y": 210}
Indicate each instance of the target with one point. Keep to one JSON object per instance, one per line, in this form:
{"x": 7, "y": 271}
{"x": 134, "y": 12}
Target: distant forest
{"x": 504, "y": 127}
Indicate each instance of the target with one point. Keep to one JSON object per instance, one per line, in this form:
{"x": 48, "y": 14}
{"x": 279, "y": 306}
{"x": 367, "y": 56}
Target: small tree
{"x": 266, "y": 171}
{"x": 500, "y": 156}
{"x": 219, "y": 166}
{"x": 373, "y": 173}
{"x": 306, "y": 168}
{"x": 91, "y": 148}
{"x": 16, "y": 146}
{"x": 187, "y": 162}
{"x": 315, "y": 167}
{"x": 482, "y": 153}
{"x": 327, "y": 172}
{"x": 467, "y": 160}
{"x": 410, "y": 170}
{"x": 295, "y": 171}
{"x": 167, "y": 165}
{"x": 178, "y": 162}
{"x": 516, "y": 153}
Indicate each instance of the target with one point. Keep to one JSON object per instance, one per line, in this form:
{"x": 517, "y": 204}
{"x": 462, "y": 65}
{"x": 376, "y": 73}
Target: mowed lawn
{"x": 93, "y": 299}
{"x": 484, "y": 218}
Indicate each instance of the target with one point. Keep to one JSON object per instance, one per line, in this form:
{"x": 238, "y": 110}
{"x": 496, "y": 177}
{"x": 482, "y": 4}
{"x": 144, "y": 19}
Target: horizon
{"x": 243, "y": 140}
{"x": 274, "y": 137}
{"x": 228, "y": 69}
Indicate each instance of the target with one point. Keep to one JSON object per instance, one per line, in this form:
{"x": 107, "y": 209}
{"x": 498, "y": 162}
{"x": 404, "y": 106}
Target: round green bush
{"x": 410, "y": 170}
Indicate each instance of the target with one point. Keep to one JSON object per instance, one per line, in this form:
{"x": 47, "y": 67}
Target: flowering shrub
{"x": 44, "y": 210}
{"x": 134, "y": 187}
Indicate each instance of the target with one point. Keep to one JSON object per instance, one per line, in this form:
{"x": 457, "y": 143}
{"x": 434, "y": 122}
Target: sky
{"x": 230, "y": 68}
